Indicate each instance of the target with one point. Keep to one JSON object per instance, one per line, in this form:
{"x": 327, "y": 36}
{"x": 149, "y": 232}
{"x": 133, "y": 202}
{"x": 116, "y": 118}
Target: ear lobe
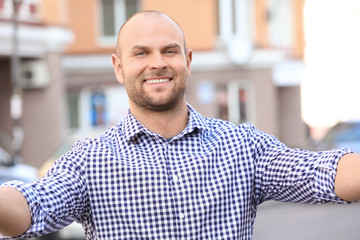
{"x": 117, "y": 68}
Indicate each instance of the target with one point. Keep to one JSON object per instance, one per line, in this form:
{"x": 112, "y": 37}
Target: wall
{"x": 44, "y": 116}
{"x": 197, "y": 19}
{"x": 54, "y": 12}
{"x": 84, "y": 21}
{"x": 6, "y": 123}
{"x": 293, "y": 129}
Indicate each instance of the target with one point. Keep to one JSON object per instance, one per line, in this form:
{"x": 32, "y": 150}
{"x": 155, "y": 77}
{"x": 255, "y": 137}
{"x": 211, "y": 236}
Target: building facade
{"x": 33, "y": 35}
{"x": 247, "y": 60}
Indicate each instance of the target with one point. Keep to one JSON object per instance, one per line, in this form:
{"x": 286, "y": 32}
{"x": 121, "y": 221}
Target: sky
{"x": 331, "y": 79}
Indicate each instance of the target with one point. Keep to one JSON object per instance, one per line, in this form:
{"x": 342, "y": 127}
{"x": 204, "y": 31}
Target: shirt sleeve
{"x": 57, "y": 199}
{"x": 294, "y": 175}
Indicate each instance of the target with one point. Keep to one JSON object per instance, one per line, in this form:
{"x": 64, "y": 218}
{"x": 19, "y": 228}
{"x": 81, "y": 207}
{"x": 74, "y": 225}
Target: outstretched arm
{"x": 15, "y": 216}
{"x": 347, "y": 181}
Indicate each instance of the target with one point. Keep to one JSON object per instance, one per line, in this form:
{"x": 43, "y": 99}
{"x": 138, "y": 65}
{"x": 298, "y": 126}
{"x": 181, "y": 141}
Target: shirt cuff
{"x": 325, "y": 175}
{"x": 37, "y": 225}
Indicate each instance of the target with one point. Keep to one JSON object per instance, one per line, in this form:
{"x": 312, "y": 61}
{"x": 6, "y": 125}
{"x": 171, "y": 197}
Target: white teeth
{"x": 158, "y": 80}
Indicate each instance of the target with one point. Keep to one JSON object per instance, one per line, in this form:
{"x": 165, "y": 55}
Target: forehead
{"x": 149, "y": 29}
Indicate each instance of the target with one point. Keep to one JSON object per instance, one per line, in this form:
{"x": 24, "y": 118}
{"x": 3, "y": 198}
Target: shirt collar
{"x": 131, "y": 127}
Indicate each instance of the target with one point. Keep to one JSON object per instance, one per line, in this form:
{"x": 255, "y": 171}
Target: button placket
{"x": 174, "y": 178}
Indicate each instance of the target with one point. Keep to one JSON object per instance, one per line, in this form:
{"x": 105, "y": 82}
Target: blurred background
{"x": 288, "y": 66}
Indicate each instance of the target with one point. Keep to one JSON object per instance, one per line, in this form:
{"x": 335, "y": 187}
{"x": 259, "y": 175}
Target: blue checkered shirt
{"x": 204, "y": 183}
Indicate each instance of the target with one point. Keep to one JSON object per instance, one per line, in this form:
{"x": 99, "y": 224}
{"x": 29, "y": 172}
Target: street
{"x": 287, "y": 221}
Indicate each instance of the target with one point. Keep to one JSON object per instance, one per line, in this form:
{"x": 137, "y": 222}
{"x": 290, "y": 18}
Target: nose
{"x": 157, "y": 61}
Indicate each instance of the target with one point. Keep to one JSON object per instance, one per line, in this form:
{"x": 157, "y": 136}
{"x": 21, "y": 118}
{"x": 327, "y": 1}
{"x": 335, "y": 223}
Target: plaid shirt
{"x": 204, "y": 183}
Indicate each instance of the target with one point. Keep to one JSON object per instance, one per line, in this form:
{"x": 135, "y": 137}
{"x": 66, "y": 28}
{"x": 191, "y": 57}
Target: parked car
{"x": 21, "y": 172}
{"x": 342, "y": 135}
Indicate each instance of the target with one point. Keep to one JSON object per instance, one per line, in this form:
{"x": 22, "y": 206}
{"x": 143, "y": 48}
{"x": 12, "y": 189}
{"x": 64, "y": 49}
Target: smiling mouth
{"x": 160, "y": 80}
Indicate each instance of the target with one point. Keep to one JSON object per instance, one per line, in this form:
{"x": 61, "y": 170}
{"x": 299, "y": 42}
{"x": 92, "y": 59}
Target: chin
{"x": 162, "y": 106}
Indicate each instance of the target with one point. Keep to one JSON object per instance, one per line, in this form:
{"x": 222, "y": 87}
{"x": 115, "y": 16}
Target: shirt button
{"x": 176, "y": 178}
{"x": 169, "y": 146}
{"x": 181, "y": 215}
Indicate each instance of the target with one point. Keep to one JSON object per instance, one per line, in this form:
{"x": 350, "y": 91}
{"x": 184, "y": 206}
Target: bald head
{"x": 140, "y": 20}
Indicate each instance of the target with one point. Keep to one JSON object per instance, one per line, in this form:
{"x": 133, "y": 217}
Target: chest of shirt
{"x": 165, "y": 175}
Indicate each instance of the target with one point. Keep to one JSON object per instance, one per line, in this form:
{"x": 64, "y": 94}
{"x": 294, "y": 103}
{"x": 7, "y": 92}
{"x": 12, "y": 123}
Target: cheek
{"x": 133, "y": 68}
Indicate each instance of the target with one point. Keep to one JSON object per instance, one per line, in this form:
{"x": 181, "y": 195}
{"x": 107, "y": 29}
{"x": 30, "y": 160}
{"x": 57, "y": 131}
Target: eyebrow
{"x": 142, "y": 47}
{"x": 136, "y": 47}
{"x": 172, "y": 45}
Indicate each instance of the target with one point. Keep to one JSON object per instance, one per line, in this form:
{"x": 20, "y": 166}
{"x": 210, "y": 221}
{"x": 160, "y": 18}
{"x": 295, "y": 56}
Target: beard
{"x": 157, "y": 103}
{"x": 144, "y": 101}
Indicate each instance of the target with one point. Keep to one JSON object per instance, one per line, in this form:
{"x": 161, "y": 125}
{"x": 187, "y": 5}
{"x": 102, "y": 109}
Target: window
{"x": 235, "y": 29}
{"x": 234, "y": 102}
{"x": 239, "y": 95}
{"x": 222, "y": 102}
{"x": 98, "y": 109}
{"x": 279, "y": 17}
{"x": 234, "y": 19}
{"x": 113, "y": 14}
{"x": 108, "y": 24}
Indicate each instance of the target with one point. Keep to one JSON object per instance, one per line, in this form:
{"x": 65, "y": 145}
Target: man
{"x": 167, "y": 172}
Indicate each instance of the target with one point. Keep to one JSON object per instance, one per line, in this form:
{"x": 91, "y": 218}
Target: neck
{"x": 167, "y": 124}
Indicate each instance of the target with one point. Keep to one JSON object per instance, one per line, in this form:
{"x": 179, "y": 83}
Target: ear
{"x": 117, "y": 68}
{"x": 188, "y": 61}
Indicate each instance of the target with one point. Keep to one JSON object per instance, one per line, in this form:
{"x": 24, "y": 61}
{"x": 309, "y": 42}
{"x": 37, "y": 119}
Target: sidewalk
{"x": 288, "y": 221}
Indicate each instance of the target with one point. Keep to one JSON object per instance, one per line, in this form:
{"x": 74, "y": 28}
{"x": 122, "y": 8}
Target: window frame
{"x": 120, "y": 16}
{"x": 233, "y": 89}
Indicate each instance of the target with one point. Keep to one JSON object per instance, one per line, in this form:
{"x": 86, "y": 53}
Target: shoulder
{"x": 227, "y": 127}
{"x": 103, "y": 142}
{"x": 242, "y": 133}
{"x": 199, "y": 121}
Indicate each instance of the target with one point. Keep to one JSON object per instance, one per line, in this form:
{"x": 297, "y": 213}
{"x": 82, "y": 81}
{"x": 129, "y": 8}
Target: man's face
{"x": 153, "y": 64}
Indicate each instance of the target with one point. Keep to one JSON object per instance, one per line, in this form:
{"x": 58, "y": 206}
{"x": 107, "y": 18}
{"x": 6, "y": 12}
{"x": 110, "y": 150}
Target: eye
{"x": 170, "y": 51}
{"x": 140, "y": 53}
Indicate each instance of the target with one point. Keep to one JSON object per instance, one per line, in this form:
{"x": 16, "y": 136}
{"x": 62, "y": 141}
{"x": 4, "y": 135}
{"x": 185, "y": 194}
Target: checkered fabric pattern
{"x": 204, "y": 183}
